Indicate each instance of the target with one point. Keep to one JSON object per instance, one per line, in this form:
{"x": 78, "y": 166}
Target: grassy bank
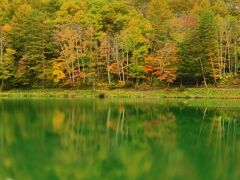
{"x": 190, "y": 93}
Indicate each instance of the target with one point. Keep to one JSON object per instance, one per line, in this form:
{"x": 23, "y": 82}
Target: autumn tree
{"x": 115, "y": 43}
{"x": 135, "y": 46}
{"x": 207, "y": 33}
{"x": 159, "y": 14}
{"x": 162, "y": 65}
{"x": 31, "y": 37}
{"x": 4, "y": 38}
{"x": 7, "y": 67}
{"x": 190, "y": 66}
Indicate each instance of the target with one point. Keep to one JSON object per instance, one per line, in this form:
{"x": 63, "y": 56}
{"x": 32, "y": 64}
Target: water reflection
{"x": 93, "y": 139}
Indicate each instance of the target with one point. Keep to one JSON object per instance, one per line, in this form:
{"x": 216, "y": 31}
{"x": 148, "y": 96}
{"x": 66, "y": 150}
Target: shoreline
{"x": 173, "y": 93}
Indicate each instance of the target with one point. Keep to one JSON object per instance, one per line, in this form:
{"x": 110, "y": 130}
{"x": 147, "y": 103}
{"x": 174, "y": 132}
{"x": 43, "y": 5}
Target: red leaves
{"x": 158, "y": 73}
{"x": 114, "y": 68}
{"x": 189, "y": 21}
{"x": 162, "y": 64}
{"x": 148, "y": 69}
{"x": 80, "y": 75}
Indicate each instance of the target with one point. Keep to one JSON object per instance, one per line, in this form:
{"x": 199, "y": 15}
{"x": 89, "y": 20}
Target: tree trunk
{"x": 117, "y": 59}
{"x": 1, "y": 55}
{"x": 236, "y": 57}
{"x": 203, "y": 74}
{"x": 122, "y": 66}
{"x": 108, "y": 63}
{"x": 127, "y": 63}
{"x": 213, "y": 71}
{"x": 221, "y": 53}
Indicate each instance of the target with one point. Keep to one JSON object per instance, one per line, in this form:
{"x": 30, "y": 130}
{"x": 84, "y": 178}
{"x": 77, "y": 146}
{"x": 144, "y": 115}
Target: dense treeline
{"x": 118, "y": 43}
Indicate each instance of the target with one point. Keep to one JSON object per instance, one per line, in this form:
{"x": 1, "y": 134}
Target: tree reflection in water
{"x": 93, "y": 139}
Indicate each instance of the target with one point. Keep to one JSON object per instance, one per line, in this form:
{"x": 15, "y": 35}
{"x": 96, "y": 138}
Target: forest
{"x": 119, "y": 43}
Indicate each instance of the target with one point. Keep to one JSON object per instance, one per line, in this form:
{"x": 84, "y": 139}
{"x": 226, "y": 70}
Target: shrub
{"x": 181, "y": 88}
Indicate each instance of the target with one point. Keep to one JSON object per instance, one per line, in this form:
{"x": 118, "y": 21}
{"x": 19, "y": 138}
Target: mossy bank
{"x": 189, "y": 93}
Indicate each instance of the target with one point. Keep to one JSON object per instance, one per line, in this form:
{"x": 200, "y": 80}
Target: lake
{"x": 69, "y": 139}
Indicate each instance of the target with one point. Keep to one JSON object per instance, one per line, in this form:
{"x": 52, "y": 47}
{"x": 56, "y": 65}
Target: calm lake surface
{"x": 69, "y": 139}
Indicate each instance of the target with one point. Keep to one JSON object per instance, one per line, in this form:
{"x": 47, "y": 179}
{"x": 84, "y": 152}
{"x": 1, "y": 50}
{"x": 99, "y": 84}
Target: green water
{"x": 117, "y": 139}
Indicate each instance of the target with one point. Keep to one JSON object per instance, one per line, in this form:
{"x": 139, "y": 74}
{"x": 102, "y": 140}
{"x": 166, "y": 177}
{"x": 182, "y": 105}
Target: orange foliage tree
{"x": 162, "y": 65}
